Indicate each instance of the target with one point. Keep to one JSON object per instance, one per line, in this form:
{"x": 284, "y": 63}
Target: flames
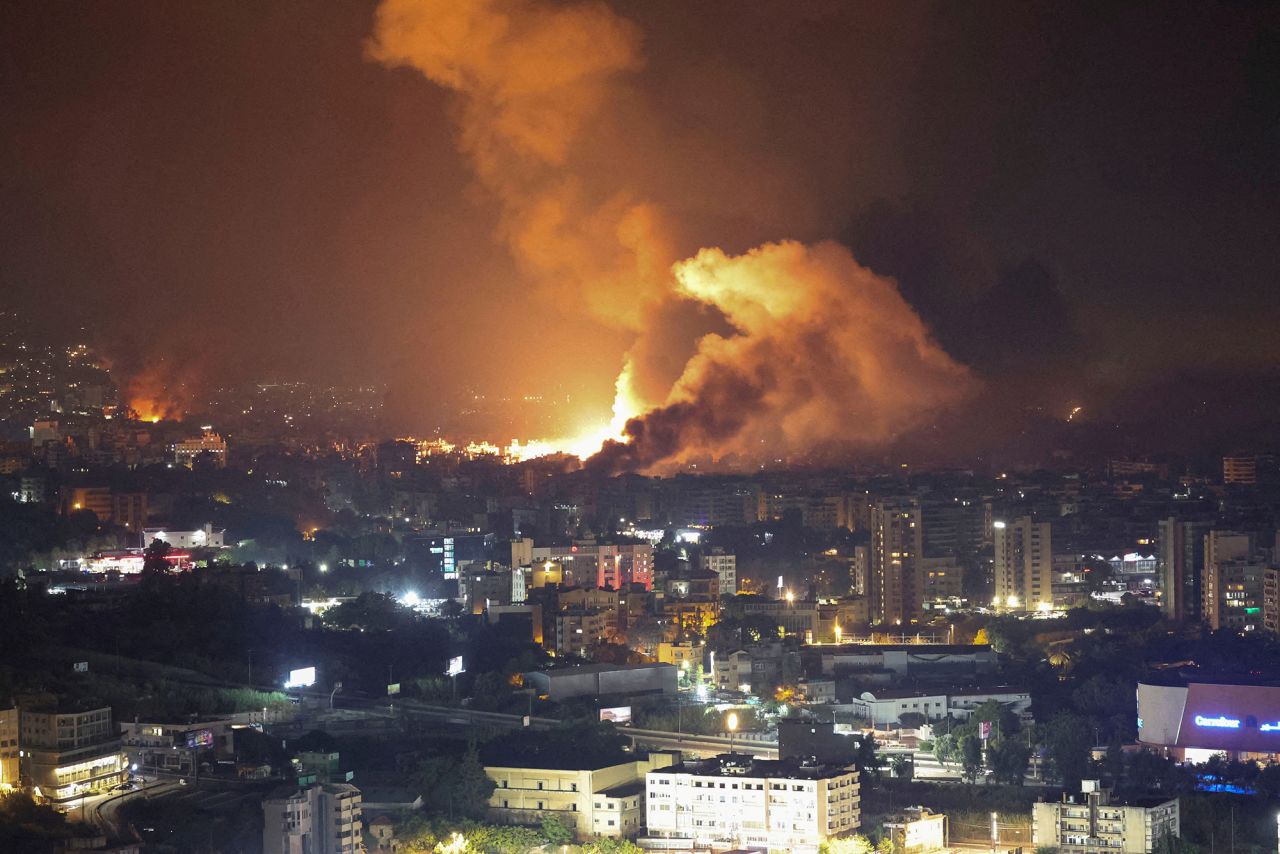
{"x": 151, "y": 398}
{"x": 736, "y": 359}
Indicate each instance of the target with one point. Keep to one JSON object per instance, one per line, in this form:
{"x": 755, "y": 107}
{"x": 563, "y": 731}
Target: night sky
{"x": 1081, "y": 200}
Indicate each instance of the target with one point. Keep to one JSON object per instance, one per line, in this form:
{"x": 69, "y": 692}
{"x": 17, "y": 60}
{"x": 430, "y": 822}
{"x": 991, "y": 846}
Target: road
{"x": 103, "y": 811}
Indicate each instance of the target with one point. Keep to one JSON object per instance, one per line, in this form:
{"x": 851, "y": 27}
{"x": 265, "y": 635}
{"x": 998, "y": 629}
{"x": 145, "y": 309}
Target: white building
{"x": 1023, "y": 564}
{"x": 917, "y": 830}
{"x": 1089, "y": 823}
{"x": 735, "y": 801}
{"x": 725, "y": 566}
{"x": 186, "y": 451}
{"x": 605, "y": 801}
{"x": 201, "y": 538}
{"x": 883, "y": 707}
{"x": 324, "y": 818}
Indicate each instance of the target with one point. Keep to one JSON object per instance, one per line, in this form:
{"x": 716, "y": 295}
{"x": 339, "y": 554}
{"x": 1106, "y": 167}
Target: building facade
{"x": 607, "y": 801}
{"x": 323, "y": 819}
{"x": 896, "y": 545}
{"x": 9, "y": 730}
{"x": 735, "y": 801}
{"x": 1092, "y": 823}
{"x": 1023, "y": 567}
{"x": 69, "y": 755}
{"x": 726, "y": 567}
{"x": 1181, "y": 567}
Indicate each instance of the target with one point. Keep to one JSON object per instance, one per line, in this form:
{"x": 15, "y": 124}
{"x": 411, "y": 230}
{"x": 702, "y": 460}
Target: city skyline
{"x": 1078, "y": 214}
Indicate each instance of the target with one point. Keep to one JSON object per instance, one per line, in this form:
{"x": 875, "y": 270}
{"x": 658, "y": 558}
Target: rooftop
{"x": 745, "y": 765}
{"x": 601, "y": 668}
{"x": 626, "y": 790}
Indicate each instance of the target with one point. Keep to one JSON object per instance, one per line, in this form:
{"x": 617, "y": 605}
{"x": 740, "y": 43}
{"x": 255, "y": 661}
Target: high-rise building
{"x": 1271, "y": 600}
{"x": 1023, "y": 564}
{"x": 1231, "y": 582}
{"x": 735, "y": 801}
{"x": 323, "y": 818}
{"x": 725, "y": 566}
{"x": 896, "y": 543}
{"x": 8, "y": 749}
{"x": 1181, "y": 567}
{"x": 1240, "y": 470}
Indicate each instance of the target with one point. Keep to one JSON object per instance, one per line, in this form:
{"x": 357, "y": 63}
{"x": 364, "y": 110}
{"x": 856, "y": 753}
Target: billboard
{"x": 193, "y": 738}
{"x": 620, "y": 715}
{"x": 303, "y": 677}
{"x": 1210, "y": 716}
{"x": 455, "y": 666}
{"x": 393, "y": 689}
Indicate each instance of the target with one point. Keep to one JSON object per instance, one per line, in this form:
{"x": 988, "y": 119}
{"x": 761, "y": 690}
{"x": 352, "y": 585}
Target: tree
{"x": 867, "y": 760}
{"x": 155, "y": 558}
{"x": 903, "y": 767}
{"x": 945, "y": 748}
{"x": 608, "y": 845}
{"x": 555, "y": 831}
{"x": 911, "y": 720}
{"x": 847, "y": 845}
{"x": 1067, "y": 741}
{"x": 970, "y": 758}
{"x": 1008, "y": 761}
{"x": 471, "y": 786}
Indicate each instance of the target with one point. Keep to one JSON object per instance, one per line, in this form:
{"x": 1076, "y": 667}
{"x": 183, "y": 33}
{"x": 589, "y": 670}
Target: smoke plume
{"x": 784, "y": 348}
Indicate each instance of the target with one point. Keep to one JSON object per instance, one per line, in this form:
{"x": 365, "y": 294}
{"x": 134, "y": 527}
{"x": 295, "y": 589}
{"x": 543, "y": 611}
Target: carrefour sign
{"x": 1220, "y": 722}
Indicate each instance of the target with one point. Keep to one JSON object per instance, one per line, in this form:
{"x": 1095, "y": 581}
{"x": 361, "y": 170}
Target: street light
{"x": 995, "y": 832}
{"x": 731, "y": 724}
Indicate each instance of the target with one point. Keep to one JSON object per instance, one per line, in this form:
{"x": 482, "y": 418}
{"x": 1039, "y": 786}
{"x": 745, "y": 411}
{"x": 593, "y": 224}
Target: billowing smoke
{"x": 825, "y": 355}
{"x": 785, "y": 348}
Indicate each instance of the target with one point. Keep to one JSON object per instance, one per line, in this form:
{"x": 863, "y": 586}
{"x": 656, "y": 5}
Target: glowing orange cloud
{"x": 822, "y": 352}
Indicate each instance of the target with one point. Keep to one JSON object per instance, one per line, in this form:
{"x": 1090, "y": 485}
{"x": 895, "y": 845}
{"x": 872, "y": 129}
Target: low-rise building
{"x": 176, "y": 747}
{"x": 207, "y": 537}
{"x": 324, "y": 818}
{"x": 1091, "y": 823}
{"x": 883, "y": 707}
{"x": 604, "y": 801}
{"x": 736, "y": 801}
{"x": 917, "y": 830}
{"x": 67, "y": 755}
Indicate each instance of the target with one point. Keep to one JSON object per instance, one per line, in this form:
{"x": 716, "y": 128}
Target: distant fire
{"x": 812, "y": 350}
{"x": 152, "y": 399}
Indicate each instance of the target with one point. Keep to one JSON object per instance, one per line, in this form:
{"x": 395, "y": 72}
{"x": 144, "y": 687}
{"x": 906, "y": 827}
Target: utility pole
{"x": 251, "y": 668}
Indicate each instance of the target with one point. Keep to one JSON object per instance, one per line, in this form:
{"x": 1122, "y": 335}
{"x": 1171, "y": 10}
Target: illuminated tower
{"x": 895, "y": 587}
{"x": 1023, "y": 564}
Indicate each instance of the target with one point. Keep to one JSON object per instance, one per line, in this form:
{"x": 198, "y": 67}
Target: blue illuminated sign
{"x": 1272, "y": 727}
{"x": 1220, "y": 722}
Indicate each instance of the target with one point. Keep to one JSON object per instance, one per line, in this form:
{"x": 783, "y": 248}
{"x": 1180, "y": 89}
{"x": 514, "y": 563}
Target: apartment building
{"x": 325, "y": 818}
{"x": 67, "y": 755}
{"x": 1023, "y": 564}
{"x": 737, "y": 801}
{"x": 9, "y": 749}
{"x": 1091, "y": 823}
